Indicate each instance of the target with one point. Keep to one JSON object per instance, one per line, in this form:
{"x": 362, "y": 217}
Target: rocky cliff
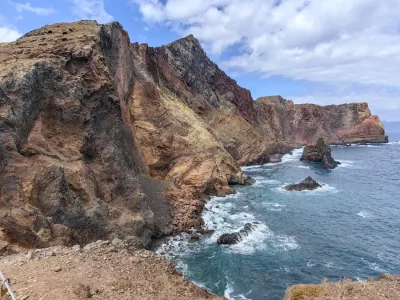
{"x": 303, "y": 124}
{"x": 101, "y": 138}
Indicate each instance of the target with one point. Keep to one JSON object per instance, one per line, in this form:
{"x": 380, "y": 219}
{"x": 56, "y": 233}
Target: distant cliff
{"x": 303, "y": 124}
{"x": 101, "y": 138}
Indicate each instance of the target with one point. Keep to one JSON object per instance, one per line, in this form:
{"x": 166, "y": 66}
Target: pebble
{"x": 76, "y": 248}
{"x": 57, "y": 269}
{"x": 134, "y": 259}
{"x": 30, "y": 255}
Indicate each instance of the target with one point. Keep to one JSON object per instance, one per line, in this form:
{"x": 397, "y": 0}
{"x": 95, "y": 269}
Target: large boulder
{"x": 307, "y": 184}
{"x": 319, "y": 152}
{"x": 236, "y": 237}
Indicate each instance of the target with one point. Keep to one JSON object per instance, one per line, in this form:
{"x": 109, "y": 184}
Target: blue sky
{"x": 309, "y": 51}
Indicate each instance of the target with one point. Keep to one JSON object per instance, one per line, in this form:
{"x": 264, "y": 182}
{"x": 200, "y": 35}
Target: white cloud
{"x": 92, "y": 10}
{"x": 337, "y": 41}
{"x": 20, "y": 7}
{"x": 352, "y": 46}
{"x": 8, "y": 34}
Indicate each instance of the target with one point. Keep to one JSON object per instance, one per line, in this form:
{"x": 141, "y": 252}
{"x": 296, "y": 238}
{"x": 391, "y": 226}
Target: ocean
{"x": 349, "y": 228}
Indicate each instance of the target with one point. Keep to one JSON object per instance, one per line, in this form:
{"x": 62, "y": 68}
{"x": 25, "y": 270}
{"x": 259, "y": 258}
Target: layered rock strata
{"x": 303, "y": 124}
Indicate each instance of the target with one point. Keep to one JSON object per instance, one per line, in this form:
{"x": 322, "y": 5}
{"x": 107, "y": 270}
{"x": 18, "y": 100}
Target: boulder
{"x": 319, "y": 152}
{"x": 206, "y": 231}
{"x": 194, "y": 237}
{"x": 307, "y": 184}
{"x": 236, "y": 237}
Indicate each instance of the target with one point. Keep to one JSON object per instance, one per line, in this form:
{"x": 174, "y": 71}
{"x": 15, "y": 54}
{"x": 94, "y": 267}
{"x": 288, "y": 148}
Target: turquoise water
{"x": 348, "y": 228}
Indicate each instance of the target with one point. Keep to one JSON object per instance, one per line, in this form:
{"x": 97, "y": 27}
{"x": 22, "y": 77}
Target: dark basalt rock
{"x": 206, "y": 231}
{"x": 194, "y": 237}
{"x": 307, "y": 184}
{"x": 320, "y": 152}
{"x": 236, "y": 237}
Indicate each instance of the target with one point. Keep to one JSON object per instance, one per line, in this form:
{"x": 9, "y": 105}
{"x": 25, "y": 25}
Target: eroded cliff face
{"x": 101, "y": 138}
{"x": 70, "y": 164}
{"x": 303, "y": 124}
{"x": 86, "y": 119}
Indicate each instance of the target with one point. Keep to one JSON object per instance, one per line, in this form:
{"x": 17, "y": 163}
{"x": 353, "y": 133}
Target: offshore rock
{"x": 307, "y": 184}
{"x": 319, "y": 152}
{"x": 236, "y": 237}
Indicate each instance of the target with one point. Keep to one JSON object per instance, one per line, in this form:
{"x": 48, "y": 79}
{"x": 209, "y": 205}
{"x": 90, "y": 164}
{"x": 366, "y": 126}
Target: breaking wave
{"x": 364, "y": 214}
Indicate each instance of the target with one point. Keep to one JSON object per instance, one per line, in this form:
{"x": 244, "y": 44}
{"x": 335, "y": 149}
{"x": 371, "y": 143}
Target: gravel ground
{"x": 101, "y": 270}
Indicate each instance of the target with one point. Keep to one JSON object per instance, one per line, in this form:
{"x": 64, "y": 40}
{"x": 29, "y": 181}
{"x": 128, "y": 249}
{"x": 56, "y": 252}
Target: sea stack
{"x": 307, "y": 184}
{"x": 320, "y": 152}
{"x": 236, "y": 237}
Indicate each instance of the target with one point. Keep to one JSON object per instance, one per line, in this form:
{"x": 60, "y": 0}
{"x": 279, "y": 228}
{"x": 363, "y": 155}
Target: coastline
{"x": 295, "y": 157}
{"x": 125, "y": 141}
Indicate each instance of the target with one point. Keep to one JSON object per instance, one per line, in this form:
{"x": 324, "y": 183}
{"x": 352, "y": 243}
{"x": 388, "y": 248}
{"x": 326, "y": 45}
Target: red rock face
{"x": 304, "y": 123}
{"x": 102, "y": 138}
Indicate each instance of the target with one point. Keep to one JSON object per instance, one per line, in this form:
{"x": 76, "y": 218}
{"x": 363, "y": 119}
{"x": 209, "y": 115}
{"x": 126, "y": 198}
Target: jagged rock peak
{"x": 188, "y": 40}
{"x": 273, "y": 99}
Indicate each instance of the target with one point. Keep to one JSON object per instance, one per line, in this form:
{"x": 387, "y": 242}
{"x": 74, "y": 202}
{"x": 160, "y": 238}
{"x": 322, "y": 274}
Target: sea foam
{"x": 364, "y": 214}
{"x": 346, "y": 164}
{"x": 224, "y": 216}
{"x": 294, "y": 156}
{"x": 229, "y": 293}
{"x": 260, "y": 181}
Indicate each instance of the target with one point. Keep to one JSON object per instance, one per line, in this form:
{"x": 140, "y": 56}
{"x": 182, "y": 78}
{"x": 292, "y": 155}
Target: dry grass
{"x": 305, "y": 292}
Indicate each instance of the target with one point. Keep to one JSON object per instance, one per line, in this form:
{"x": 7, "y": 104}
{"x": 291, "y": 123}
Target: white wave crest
{"x": 310, "y": 264}
{"x": 223, "y": 217}
{"x": 374, "y": 266}
{"x": 346, "y": 164}
{"x": 260, "y": 181}
{"x": 271, "y": 206}
{"x": 250, "y": 168}
{"x": 364, "y": 214}
{"x": 303, "y": 167}
{"x": 229, "y": 294}
{"x": 294, "y": 156}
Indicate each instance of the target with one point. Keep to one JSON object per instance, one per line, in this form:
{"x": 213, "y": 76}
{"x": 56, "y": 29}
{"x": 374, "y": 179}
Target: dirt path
{"x": 101, "y": 270}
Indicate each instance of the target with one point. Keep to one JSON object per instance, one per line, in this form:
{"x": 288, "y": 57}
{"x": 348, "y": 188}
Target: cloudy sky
{"x": 315, "y": 51}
